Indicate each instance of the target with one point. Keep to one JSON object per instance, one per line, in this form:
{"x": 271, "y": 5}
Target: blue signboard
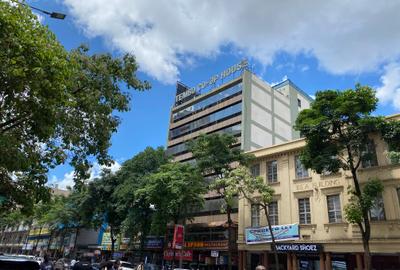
{"x": 263, "y": 235}
{"x": 156, "y": 243}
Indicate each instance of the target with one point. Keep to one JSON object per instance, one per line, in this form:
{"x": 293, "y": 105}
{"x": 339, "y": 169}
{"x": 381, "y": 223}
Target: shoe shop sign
{"x": 299, "y": 248}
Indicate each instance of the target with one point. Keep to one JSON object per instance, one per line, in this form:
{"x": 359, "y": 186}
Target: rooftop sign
{"x": 190, "y": 93}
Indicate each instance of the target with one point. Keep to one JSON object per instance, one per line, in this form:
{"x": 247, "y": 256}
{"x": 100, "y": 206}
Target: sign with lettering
{"x": 263, "y": 235}
{"x": 178, "y": 240}
{"x": 320, "y": 184}
{"x": 183, "y": 93}
{"x": 214, "y": 253}
{"x": 186, "y": 255}
{"x": 299, "y": 248}
{"x": 207, "y": 244}
{"x": 154, "y": 243}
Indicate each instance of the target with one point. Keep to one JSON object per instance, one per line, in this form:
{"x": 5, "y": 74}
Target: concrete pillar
{"x": 289, "y": 261}
{"x": 328, "y": 261}
{"x": 242, "y": 263}
{"x": 294, "y": 262}
{"x": 244, "y": 259}
{"x": 359, "y": 260}
{"x": 321, "y": 261}
{"x": 265, "y": 260}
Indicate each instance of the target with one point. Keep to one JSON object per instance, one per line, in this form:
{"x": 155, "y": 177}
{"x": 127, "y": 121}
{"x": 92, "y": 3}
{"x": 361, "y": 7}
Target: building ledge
{"x": 302, "y": 179}
{"x": 344, "y": 225}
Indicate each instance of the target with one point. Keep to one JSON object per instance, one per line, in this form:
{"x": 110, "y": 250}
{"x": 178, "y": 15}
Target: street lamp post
{"x": 54, "y": 15}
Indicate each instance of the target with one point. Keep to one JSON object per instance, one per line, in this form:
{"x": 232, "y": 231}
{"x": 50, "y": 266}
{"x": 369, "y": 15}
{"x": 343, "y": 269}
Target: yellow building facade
{"x": 315, "y": 203}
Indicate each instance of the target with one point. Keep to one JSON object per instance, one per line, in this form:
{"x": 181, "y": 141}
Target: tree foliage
{"x": 133, "y": 174}
{"x": 217, "y": 155}
{"x": 55, "y": 105}
{"x": 240, "y": 182}
{"x": 174, "y": 190}
{"x": 337, "y": 130}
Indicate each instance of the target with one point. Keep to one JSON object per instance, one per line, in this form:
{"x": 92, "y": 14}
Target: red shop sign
{"x": 178, "y": 241}
{"x": 186, "y": 255}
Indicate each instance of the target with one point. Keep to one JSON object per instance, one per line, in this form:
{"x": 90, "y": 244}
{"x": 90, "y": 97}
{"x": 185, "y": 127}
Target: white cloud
{"x": 389, "y": 92}
{"x": 345, "y": 36}
{"x": 68, "y": 179}
{"x": 39, "y": 17}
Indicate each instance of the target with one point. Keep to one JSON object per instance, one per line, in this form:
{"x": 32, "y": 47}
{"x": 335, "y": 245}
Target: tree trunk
{"x": 366, "y": 229}
{"x": 75, "y": 240}
{"x": 112, "y": 242}
{"x": 367, "y": 255}
{"x": 273, "y": 245}
{"x": 228, "y": 213}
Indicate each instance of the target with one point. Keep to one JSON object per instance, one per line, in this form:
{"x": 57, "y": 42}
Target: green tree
{"x": 173, "y": 191}
{"x": 99, "y": 206}
{"x": 132, "y": 174}
{"x": 337, "y": 129}
{"x": 55, "y": 106}
{"x": 239, "y": 181}
{"x": 217, "y": 155}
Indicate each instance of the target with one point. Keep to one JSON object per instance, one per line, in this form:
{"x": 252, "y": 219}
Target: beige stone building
{"x": 315, "y": 203}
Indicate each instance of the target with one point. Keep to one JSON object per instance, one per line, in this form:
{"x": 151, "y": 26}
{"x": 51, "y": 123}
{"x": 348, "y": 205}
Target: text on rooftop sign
{"x": 192, "y": 91}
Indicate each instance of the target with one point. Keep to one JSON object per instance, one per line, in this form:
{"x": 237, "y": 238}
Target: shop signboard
{"x": 154, "y": 243}
{"x": 223, "y": 244}
{"x": 178, "y": 241}
{"x": 214, "y": 253}
{"x": 186, "y": 255}
{"x": 106, "y": 242}
{"x": 299, "y": 247}
{"x": 263, "y": 235}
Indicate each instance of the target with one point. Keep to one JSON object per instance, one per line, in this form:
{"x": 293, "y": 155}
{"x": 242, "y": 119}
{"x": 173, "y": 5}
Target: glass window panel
{"x": 181, "y": 148}
{"x": 207, "y": 120}
{"x": 255, "y": 215}
{"x": 301, "y": 171}
{"x": 377, "y": 211}
{"x": 304, "y": 211}
{"x": 273, "y": 213}
{"x": 255, "y": 170}
{"x": 369, "y": 155}
{"x": 334, "y": 208}
{"x": 272, "y": 171}
{"x": 208, "y": 102}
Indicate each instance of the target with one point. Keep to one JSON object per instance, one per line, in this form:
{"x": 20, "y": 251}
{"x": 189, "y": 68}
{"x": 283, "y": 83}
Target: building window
{"x": 304, "y": 211}
{"x": 377, "y": 211}
{"x": 334, "y": 209}
{"x": 255, "y": 215}
{"x": 273, "y": 213}
{"x": 299, "y": 103}
{"x": 368, "y": 155}
{"x": 255, "y": 170}
{"x": 272, "y": 171}
{"x": 301, "y": 171}
{"x": 398, "y": 194}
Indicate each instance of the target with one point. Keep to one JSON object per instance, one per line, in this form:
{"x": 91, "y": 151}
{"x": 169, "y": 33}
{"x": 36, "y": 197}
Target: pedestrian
{"x": 140, "y": 266}
{"x": 73, "y": 262}
{"x": 116, "y": 265}
{"x": 46, "y": 264}
{"x": 260, "y": 267}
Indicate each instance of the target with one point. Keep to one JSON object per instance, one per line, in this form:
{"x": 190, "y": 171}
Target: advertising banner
{"x": 186, "y": 255}
{"x": 263, "y": 235}
{"x": 178, "y": 241}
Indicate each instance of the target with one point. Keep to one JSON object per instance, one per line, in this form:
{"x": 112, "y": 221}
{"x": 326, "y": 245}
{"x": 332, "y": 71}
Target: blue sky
{"x": 317, "y": 45}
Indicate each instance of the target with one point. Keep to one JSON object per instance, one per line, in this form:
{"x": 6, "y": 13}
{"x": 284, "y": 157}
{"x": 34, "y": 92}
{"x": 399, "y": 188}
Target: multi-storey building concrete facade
{"x": 241, "y": 104}
{"x": 315, "y": 203}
